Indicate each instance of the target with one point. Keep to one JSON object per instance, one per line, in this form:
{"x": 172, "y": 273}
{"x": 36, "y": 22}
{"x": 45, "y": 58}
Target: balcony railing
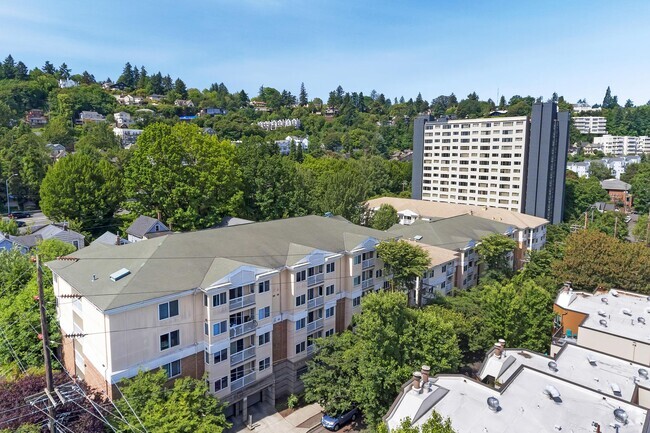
{"x": 244, "y": 328}
{"x": 316, "y": 324}
{"x": 242, "y": 381}
{"x": 368, "y": 263}
{"x": 367, "y": 283}
{"x": 310, "y": 349}
{"x": 315, "y": 302}
{"x": 315, "y": 279}
{"x": 242, "y": 356}
{"x": 242, "y": 301}
{"x": 450, "y": 272}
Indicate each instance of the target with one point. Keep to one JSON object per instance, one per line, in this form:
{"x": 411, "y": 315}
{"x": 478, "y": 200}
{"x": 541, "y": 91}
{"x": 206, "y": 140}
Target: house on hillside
{"x": 41, "y": 233}
{"x": 619, "y": 192}
{"x": 57, "y": 151}
{"x": 90, "y": 117}
{"x": 184, "y": 103}
{"x": 213, "y": 112}
{"x": 110, "y": 238}
{"x": 36, "y": 118}
{"x": 145, "y": 227}
{"x": 122, "y": 119}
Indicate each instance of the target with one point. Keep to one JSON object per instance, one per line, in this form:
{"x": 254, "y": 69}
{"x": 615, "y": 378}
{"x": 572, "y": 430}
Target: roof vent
{"x": 602, "y": 313}
{"x": 615, "y": 389}
{"x": 626, "y": 311}
{"x": 641, "y": 320}
{"x": 493, "y": 404}
{"x": 620, "y": 415}
{"x": 648, "y": 298}
{"x": 614, "y": 293}
{"x": 591, "y": 360}
{"x": 417, "y": 237}
{"x": 552, "y": 365}
{"x": 552, "y": 393}
{"x": 643, "y": 373}
{"x": 603, "y": 322}
{"x": 604, "y": 300}
{"x": 118, "y": 275}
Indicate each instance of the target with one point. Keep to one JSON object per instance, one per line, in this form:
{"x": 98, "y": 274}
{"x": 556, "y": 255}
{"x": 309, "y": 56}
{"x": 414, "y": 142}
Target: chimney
{"x": 117, "y": 238}
{"x": 497, "y": 350}
{"x": 502, "y": 342}
{"x": 425, "y": 373}
{"x": 416, "y": 381}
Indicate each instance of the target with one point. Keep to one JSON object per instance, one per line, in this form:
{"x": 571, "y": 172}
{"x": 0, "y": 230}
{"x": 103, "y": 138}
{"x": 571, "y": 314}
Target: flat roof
{"x": 605, "y": 306}
{"x": 595, "y": 370}
{"x": 428, "y": 209}
{"x": 523, "y": 406}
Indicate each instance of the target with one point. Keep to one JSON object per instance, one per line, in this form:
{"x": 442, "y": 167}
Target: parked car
{"x": 19, "y": 215}
{"x": 332, "y": 422}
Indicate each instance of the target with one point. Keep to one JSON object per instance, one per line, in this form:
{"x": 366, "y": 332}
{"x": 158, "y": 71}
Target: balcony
{"x": 367, "y": 283}
{"x": 242, "y": 301}
{"x": 315, "y": 279}
{"x": 316, "y": 324}
{"x": 315, "y": 302}
{"x": 368, "y": 263}
{"x": 242, "y": 381}
{"x": 242, "y": 356}
{"x": 244, "y": 328}
{"x": 310, "y": 349}
{"x": 450, "y": 272}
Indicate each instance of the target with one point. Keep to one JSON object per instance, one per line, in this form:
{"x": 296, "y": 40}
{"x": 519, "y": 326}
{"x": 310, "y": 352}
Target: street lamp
{"x": 7, "y": 189}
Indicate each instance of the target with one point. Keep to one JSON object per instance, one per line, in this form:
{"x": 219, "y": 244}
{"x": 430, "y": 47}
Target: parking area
{"x": 266, "y": 419}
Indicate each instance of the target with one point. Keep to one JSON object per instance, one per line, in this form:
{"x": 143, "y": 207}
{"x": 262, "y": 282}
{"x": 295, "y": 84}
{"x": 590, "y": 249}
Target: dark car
{"x": 332, "y": 422}
{"x": 19, "y": 215}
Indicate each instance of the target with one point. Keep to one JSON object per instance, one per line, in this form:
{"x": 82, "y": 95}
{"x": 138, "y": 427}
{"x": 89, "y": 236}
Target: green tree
{"x": 580, "y": 194}
{"x": 191, "y": 179}
{"x": 641, "y": 190}
{"x": 494, "y": 253}
{"x": 8, "y": 227}
{"x": 610, "y": 223}
{"x": 434, "y": 424}
{"x": 187, "y": 406}
{"x": 384, "y": 218}
{"x": 97, "y": 136}
{"x": 405, "y": 261}
{"x": 608, "y": 100}
{"x": 302, "y": 97}
{"x": 640, "y": 230}
{"x": 82, "y": 188}
{"x": 600, "y": 171}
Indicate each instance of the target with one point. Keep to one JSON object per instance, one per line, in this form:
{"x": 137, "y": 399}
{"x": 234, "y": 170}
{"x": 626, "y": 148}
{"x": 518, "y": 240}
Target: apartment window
{"x": 315, "y": 270}
{"x": 219, "y": 328}
{"x": 379, "y": 273}
{"x": 219, "y": 299}
{"x": 170, "y": 340}
{"x": 264, "y": 364}
{"x": 357, "y": 280}
{"x": 264, "y": 287}
{"x": 329, "y": 332}
{"x": 329, "y": 312}
{"x": 263, "y": 313}
{"x": 330, "y": 267}
{"x": 314, "y": 292}
{"x": 220, "y": 356}
{"x": 356, "y": 301}
{"x": 264, "y": 338}
{"x": 300, "y": 347}
{"x": 301, "y": 276}
{"x": 205, "y": 300}
{"x": 357, "y": 259}
{"x": 329, "y": 290}
{"x": 206, "y": 328}
{"x": 221, "y": 384}
{"x": 167, "y": 310}
{"x": 300, "y": 300}
{"x": 300, "y": 323}
{"x": 173, "y": 369}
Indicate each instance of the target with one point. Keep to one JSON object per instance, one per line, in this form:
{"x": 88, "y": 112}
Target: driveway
{"x": 267, "y": 420}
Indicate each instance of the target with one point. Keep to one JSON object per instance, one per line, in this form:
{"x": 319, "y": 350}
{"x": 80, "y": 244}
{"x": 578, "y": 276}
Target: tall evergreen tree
{"x": 127, "y": 75}
{"x": 64, "y": 71}
{"x": 49, "y": 68}
{"x": 143, "y": 80}
{"x": 303, "y": 95}
{"x": 9, "y": 67}
{"x": 21, "y": 71}
{"x": 157, "y": 83}
{"x": 608, "y": 100}
{"x": 179, "y": 87}
{"x": 502, "y": 103}
{"x": 167, "y": 84}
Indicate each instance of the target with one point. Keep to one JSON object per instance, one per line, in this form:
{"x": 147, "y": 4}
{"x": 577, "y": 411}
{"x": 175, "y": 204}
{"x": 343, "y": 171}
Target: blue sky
{"x": 401, "y": 47}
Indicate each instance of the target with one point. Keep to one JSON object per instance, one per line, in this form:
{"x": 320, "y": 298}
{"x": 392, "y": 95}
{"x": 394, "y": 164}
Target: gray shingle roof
{"x": 186, "y": 261}
{"x": 615, "y": 184}
{"x": 141, "y": 226}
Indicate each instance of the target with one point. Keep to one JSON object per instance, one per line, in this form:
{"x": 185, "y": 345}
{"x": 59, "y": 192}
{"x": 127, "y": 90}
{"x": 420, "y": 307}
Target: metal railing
{"x": 316, "y": 324}
{"x": 315, "y": 279}
{"x": 367, "y": 283}
{"x": 242, "y": 381}
{"x": 315, "y": 302}
{"x": 242, "y": 301}
{"x": 243, "y": 355}
{"x": 368, "y": 263}
{"x": 244, "y": 328}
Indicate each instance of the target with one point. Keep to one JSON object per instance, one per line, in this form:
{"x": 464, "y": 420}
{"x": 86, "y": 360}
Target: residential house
{"x": 110, "y": 238}
{"x": 213, "y": 112}
{"x": 45, "y": 232}
{"x": 57, "y": 151}
{"x": 184, "y": 103}
{"x": 36, "y": 118}
{"x": 122, "y": 119}
{"x": 617, "y": 165}
{"x": 285, "y": 145}
{"x": 260, "y": 106}
{"x": 402, "y": 155}
{"x": 130, "y": 99}
{"x": 530, "y": 231}
{"x": 592, "y": 148}
{"x": 331, "y": 112}
{"x": 156, "y": 98}
{"x": 271, "y": 125}
{"x": 239, "y": 306}
{"x": 66, "y": 84}
{"x": 619, "y": 192}
{"x": 90, "y": 117}
{"x": 579, "y": 168}
{"x": 9, "y": 242}
{"x": 145, "y": 227}
{"x": 584, "y": 107}
{"x": 127, "y": 136}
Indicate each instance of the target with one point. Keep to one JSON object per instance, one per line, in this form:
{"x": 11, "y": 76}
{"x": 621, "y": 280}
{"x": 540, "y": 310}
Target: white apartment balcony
{"x": 244, "y": 328}
{"x": 315, "y": 279}
{"x": 242, "y": 381}
{"x": 367, "y": 283}
{"x": 315, "y": 302}
{"x": 316, "y": 324}
{"x": 242, "y": 301}
{"x": 368, "y": 263}
{"x": 310, "y": 349}
{"x": 242, "y": 355}
{"x": 450, "y": 272}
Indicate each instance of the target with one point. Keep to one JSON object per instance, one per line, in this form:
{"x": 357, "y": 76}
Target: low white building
{"x": 583, "y": 107}
{"x": 591, "y": 124}
{"x": 616, "y": 165}
{"x": 285, "y": 145}
{"x": 127, "y": 136}
{"x": 271, "y": 125}
{"x": 579, "y": 168}
{"x": 619, "y": 145}
{"x": 91, "y": 117}
{"x": 122, "y": 119}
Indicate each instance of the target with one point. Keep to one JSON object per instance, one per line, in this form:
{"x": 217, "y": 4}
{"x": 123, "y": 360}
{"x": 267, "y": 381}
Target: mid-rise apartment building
{"x": 619, "y": 145}
{"x": 590, "y": 124}
{"x": 512, "y": 163}
{"x": 241, "y": 304}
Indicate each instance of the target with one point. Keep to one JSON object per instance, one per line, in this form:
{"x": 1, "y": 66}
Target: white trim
{"x": 219, "y": 345}
{"x": 331, "y": 303}
{"x": 264, "y": 329}
{"x": 146, "y": 303}
{"x": 155, "y": 363}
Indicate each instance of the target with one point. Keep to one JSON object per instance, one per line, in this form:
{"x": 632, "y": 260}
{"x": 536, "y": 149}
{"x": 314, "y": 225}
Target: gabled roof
{"x": 616, "y": 185}
{"x": 142, "y": 225}
{"x": 109, "y": 238}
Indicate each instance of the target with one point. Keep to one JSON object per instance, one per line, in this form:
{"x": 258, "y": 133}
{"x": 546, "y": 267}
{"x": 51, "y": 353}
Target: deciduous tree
{"x": 384, "y": 218}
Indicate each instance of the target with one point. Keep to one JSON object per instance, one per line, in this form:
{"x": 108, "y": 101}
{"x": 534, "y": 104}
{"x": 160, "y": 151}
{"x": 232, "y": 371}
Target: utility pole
{"x": 615, "y": 226}
{"x": 647, "y": 230}
{"x": 49, "y": 382}
{"x": 586, "y": 218}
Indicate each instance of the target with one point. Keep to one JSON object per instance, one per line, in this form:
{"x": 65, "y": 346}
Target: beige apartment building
{"x": 591, "y": 124}
{"x": 240, "y": 304}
